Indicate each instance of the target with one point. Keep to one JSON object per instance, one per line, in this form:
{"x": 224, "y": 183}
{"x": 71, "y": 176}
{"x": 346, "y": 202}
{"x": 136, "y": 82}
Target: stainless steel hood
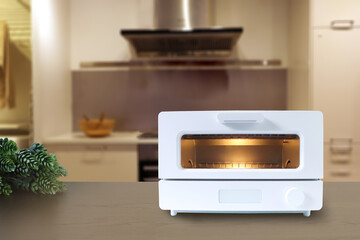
{"x": 183, "y": 28}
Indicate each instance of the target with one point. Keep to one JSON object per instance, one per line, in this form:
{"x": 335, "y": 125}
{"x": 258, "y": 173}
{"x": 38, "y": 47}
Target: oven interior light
{"x": 238, "y": 152}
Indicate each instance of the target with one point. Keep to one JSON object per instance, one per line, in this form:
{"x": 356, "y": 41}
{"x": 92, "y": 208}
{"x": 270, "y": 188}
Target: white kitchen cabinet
{"x": 98, "y": 163}
{"x": 326, "y": 11}
{"x": 336, "y": 82}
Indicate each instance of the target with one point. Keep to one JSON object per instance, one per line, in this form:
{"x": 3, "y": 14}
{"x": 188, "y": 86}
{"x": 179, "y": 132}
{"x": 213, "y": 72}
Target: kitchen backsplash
{"x": 134, "y": 98}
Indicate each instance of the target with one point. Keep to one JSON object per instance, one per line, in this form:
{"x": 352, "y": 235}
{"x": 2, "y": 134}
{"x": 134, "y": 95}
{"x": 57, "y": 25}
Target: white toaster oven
{"x": 241, "y": 161}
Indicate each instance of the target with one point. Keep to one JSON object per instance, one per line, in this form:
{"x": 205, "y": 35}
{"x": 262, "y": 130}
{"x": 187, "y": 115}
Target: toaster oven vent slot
{"x": 242, "y": 136}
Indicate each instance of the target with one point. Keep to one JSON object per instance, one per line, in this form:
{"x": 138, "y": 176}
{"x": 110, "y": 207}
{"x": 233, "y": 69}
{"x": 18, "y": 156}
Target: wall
{"x": 51, "y": 68}
{"x": 298, "y": 55}
{"x": 265, "y": 24}
{"x": 95, "y": 29}
{"x": 134, "y": 98}
{"x": 17, "y": 15}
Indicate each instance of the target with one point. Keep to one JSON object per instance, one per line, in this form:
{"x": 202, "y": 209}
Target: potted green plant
{"x": 32, "y": 169}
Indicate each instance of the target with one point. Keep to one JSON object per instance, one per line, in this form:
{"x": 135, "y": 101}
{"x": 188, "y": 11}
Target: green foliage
{"x": 8, "y": 147}
{"x": 32, "y": 169}
{"x": 44, "y": 159}
{"x": 25, "y": 158}
{"x": 5, "y": 188}
{"x": 37, "y": 148}
{"x": 6, "y": 164}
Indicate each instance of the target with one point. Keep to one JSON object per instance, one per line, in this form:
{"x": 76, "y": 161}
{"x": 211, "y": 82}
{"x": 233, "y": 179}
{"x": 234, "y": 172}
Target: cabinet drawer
{"x": 98, "y": 163}
{"x": 327, "y": 11}
{"x": 341, "y": 174}
{"x": 341, "y": 165}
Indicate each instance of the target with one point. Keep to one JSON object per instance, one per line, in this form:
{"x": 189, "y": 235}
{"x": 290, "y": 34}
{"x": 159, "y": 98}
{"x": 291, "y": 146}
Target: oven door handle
{"x": 226, "y": 118}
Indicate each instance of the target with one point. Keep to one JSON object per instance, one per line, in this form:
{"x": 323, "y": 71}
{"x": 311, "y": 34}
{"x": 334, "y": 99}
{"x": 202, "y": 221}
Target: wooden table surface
{"x": 130, "y": 211}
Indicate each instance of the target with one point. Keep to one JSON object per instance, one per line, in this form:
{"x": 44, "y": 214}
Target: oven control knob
{"x": 294, "y": 196}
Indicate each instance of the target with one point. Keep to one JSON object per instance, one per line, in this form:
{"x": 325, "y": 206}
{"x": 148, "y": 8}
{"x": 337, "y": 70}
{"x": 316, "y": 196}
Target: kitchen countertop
{"x": 130, "y": 211}
{"x": 114, "y": 138}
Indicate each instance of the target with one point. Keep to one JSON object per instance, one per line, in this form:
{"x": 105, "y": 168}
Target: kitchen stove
{"x": 148, "y": 158}
{"x": 146, "y": 135}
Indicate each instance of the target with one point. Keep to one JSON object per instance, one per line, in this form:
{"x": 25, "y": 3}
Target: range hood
{"x": 183, "y": 28}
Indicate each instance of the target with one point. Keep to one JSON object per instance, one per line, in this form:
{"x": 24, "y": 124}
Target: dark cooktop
{"x": 148, "y": 135}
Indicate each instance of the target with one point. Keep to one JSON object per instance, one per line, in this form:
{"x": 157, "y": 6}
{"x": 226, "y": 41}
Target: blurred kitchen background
{"x": 63, "y": 59}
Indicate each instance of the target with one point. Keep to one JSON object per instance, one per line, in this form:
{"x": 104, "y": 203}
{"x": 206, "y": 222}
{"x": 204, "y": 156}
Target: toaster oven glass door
{"x": 237, "y": 151}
